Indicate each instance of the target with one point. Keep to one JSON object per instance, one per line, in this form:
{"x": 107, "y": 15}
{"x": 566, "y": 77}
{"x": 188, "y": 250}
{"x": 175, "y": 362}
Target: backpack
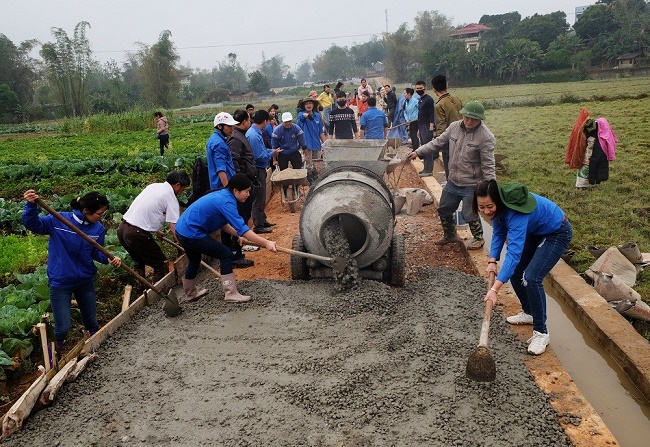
{"x": 200, "y": 181}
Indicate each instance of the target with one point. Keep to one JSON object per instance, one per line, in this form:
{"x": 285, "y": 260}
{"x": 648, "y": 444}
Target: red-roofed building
{"x": 471, "y": 35}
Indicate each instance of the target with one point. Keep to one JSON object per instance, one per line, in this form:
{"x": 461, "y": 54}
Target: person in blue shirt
{"x": 537, "y": 233}
{"x": 70, "y": 261}
{"x": 218, "y": 154}
{"x": 374, "y": 124}
{"x": 311, "y": 123}
{"x": 290, "y": 139}
{"x": 217, "y": 211}
{"x": 411, "y": 115}
{"x": 263, "y": 158}
{"x": 270, "y": 125}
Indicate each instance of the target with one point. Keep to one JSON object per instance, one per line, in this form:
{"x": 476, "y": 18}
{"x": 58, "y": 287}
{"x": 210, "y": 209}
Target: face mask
{"x": 419, "y": 92}
{"x": 341, "y": 103}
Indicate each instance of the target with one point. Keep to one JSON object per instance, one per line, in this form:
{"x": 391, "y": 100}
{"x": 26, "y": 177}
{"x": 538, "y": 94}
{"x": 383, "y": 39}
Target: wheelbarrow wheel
{"x": 291, "y": 198}
{"x": 299, "y": 269}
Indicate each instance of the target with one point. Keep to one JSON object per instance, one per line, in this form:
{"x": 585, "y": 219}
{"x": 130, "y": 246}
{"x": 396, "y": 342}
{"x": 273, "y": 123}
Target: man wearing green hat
{"x": 471, "y": 160}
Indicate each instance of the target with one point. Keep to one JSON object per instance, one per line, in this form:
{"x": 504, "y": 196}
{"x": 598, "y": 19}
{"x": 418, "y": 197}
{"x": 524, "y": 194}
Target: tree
{"x": 229, "y": 74}
{"x": 160, "y": 75}
{"x": 398, "y": 53}
{"x": 303, "y": 72}
{"x": 68, "y": 63}
{"x": 258, "y": 82}
{"x": 365, "y": 54}
{"x": 430, "y": 27}
{"x": 9, "y": 104}
{"x": 542, "y": 29}
{"x": 501, "y": 24}
{"x": 448, "y": 57}
{"x": 17, "y": 69}
{"x": 561, "y": 52}
{"x": 518, "y": 59}
{"x": 332, "y": 63}
{"x": 595, "y": 21}
{"x": 274, "y": 69}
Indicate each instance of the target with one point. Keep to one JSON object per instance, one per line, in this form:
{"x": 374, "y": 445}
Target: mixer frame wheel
{"x": 396, "y": 272}
{"x": 299, "y": 269}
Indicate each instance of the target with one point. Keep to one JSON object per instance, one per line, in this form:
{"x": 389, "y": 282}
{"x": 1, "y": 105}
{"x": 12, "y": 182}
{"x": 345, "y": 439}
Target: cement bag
{"x": 428, "y": 198}
{"x": 614, "y": 263}
{"x": 637, "y": 310}
{"x": 582, "y": 177}
{"x": 631, "y": 251}
{"x": 612, "y": 288}
{"x": 414, "y": 201}
{"x": 399, "y": 200}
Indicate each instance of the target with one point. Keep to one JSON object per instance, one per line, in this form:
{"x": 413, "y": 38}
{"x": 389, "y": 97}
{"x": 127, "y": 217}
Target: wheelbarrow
{"x": 290, "y": 181}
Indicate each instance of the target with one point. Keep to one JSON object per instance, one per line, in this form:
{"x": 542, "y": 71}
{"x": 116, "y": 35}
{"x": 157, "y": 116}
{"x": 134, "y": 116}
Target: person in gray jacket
{"x": 471, "y": 160}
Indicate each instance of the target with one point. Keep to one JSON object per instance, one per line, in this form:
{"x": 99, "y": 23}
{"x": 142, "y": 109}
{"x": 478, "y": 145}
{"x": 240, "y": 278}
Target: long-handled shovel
{"x": 480, "y": 365}
{"x": 337, "y": 263}
{"x": 170, "y": 306}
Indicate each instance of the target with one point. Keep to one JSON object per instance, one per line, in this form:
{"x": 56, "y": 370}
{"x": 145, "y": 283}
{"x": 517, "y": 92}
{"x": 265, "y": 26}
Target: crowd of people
{"x": 245, "y": 144}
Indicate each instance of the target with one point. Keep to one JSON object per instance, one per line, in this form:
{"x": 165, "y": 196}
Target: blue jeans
{"x": 60, "y": 298}
{"x": 451, "y": 197}
{"x": 539, "y": 256}
{"x": 326, "y": 119}
{"x": 209, "y": 246}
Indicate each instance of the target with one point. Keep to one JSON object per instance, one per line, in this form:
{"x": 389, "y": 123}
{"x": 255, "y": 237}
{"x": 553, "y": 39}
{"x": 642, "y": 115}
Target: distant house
{"x": 184, "y": 78}
{"x": 627, "y": 60}
{"x": 378, "y": 67}
{"x": 471, "y": 35}
{"x": 244, "y": 96}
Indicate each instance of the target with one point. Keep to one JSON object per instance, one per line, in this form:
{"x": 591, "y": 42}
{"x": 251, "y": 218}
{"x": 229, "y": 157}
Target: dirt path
{"x": 300, "y": 365}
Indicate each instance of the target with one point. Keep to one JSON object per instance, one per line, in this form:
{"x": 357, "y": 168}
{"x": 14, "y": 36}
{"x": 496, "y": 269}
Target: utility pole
{"x": 386, "y": 14}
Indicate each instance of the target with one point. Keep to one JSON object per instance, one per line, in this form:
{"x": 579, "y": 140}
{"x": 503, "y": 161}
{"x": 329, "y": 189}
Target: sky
{"x": 205, "y": 31}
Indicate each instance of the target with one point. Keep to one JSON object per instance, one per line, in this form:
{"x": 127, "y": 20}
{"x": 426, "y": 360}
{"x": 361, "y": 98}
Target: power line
{"x": 255, "y": 43}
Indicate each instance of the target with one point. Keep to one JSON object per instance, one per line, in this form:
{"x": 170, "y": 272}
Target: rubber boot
{"x": 231, "y": 295}
{"x": 191, "y": 294}
{"x": 449, "y": 227}
{"x": 477, "y": 231}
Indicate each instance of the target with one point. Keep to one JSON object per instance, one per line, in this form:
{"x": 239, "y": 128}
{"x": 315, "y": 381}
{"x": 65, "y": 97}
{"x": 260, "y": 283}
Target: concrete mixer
{"x": 352, "y": 191}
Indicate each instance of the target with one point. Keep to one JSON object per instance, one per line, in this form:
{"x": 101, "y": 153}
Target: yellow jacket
{"x": 326, "y": 100}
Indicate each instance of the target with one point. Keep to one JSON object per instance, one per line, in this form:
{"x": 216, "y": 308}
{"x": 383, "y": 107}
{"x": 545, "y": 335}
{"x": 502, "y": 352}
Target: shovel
{"x": 480, "y": 365}
{"x": 337, "y": 263}
{"x": 170, "y": 306}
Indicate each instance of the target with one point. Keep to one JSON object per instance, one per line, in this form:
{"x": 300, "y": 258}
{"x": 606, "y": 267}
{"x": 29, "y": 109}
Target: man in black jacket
{"x": 426, "y": 125}
{"x": 391, "y": 103}
{"x": 242, "y": 157}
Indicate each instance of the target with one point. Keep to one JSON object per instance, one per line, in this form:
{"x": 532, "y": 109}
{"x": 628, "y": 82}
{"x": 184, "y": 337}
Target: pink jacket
{"x": 162, "y": 126}
{"x": 607, "y": 138}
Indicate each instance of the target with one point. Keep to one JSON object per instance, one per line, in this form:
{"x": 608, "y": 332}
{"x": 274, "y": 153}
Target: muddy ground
{"x": 302, "y": 365}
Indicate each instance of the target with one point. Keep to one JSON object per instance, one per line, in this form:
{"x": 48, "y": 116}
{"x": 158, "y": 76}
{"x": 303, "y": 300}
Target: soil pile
{"x": 298, "y": 365}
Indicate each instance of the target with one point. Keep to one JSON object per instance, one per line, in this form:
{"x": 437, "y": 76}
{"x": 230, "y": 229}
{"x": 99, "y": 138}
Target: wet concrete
{"x": 300, "y": 366}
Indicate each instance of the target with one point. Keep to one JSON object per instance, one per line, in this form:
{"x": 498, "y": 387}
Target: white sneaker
{"x": 538, "y": 343}
{"x": 520, "y": 318}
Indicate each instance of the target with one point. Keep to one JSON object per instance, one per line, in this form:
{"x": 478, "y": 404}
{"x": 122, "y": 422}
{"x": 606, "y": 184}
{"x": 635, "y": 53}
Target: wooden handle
{"x": 295, "y": 252}
{"x": 487, "y": 313}
{"x": 94, "y": 243}
{"x": 203, "y": 263}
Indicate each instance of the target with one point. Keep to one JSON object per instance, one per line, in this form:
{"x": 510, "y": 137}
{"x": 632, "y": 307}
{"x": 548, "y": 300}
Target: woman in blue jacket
{"x": 212, "y": 212}
{"x": 538, "y": 232}
{"x": 70, "y": 263}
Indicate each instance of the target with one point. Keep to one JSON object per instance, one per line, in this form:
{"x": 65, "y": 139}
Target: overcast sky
{"x": 205, "y": 31}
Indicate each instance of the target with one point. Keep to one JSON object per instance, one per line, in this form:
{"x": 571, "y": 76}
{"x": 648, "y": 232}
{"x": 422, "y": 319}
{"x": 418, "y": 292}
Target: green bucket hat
{"x": 516, "y": 197}
{"x": 474, "y": 110}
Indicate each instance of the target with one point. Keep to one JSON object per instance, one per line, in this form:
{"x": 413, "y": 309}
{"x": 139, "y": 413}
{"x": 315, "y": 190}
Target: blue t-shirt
{"x": 313, "y": 128}
{"x": 289, "y": 140}
{"x": 261, "y": 154}
{"x": 219, "y": 158}
{"x": 209, "y": 214}
{"x": 373, "y": 121}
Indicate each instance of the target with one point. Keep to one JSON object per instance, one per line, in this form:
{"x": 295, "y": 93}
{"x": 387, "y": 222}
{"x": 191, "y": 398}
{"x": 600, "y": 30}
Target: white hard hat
{"x": 224, "y": 118}
{"x": 286, "y": 116}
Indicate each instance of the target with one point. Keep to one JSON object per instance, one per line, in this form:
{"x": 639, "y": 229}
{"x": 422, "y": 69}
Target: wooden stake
{"x": 57, "y": 381}
{"x": 43, "y": 334}
{"x": 17, "y": 414}
{"x": 54, "y": 356}
{"x": 126, "y": 298}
